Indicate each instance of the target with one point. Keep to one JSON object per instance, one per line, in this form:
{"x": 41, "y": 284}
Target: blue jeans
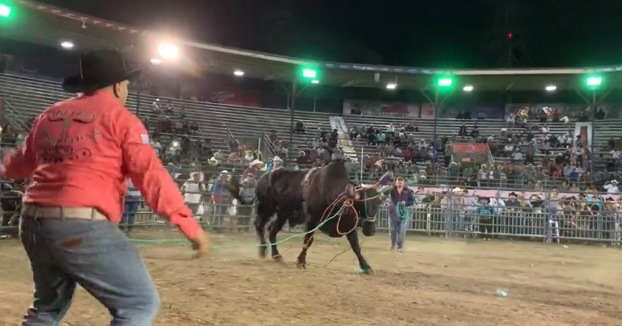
{"x": 129, "y": 214}
{"x": 397, "y": 230}
{"x": 94, "y": 254}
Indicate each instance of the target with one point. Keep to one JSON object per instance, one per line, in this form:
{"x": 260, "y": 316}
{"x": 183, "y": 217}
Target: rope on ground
{"x": 238, "y": 245}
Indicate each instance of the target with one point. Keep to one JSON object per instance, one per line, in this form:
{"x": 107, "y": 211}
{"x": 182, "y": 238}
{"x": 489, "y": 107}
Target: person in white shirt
{"x": 565, "y": 119}
{"x": 545, "y": 129}
{"x": 390, "y": 128}
{"x": 157, "y": 147}
{"x": 193, "y": 190}
{"x": 615, "y": 154}
{"x": 612, "y": 188}
{"x": 517, "y": 155}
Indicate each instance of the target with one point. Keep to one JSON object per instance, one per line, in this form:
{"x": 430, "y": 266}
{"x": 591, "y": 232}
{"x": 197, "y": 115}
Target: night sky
{"x": 417, "y": 33}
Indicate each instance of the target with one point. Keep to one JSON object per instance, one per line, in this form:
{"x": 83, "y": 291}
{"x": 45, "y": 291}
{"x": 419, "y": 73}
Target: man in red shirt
{"x": 78, "y": 156}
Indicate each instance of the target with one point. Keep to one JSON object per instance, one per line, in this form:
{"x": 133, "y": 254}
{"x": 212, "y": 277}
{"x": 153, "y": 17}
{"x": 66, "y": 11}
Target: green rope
{"x": 236, "y": 245}
{"x": 402, "y": 212}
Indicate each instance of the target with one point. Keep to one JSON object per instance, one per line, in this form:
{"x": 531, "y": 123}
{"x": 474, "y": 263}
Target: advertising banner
{"x": 376, "y": 108}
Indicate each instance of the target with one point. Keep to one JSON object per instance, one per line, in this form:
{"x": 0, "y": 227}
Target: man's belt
{"x": 60, "y": 212}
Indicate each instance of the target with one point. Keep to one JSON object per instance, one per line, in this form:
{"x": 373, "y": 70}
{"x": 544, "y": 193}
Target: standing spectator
{"x": 276, "y": 164}
{"x": 193, "y": 190}
{"x": 399, "y": 223}
{"x": 221, "y": 199}
{"x": 485, "y": 213}
{"x": 132, "y": 202}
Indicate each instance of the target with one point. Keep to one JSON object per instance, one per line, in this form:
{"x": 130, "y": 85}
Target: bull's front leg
{"x": 353, "y": 238}
{"x": 302, "y": 258}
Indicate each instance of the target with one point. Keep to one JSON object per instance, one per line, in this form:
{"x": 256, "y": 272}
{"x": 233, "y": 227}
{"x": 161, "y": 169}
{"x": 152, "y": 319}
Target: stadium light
{"x": 239, "y": 73}
{"x": 168, "y": 50}
{"x": 309, "y": 73}
{"x": 67, "y": 45}
{"x": 156, "y": 61}
{"x": 593, "y": 81}
{"x": 551, "y": 88}
{"x": 391, "y": 86}
{"x": 467, "y": 88}
{"x": 315, "y": 81}
{"x": 5, "y": 11}
{"x": 445, "y": 82}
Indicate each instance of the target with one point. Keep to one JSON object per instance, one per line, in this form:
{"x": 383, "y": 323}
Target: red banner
{"x": 471, "y": 148}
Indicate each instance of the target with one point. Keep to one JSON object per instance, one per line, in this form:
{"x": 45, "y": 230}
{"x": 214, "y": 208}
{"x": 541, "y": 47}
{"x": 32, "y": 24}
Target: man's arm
{"x": 22, "y": 163}
{"x": 148, "y": 174}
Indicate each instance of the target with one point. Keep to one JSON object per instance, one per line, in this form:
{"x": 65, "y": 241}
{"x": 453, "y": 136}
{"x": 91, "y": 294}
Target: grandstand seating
{"x": 30, "y": 96}
{"x": 604, "y": 130}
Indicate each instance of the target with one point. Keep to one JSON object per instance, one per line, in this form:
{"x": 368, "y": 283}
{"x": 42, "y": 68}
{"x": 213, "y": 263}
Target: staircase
{"x": 337, "y": 122}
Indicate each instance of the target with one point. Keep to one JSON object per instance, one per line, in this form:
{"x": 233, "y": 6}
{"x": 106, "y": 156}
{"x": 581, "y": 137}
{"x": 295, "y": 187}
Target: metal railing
{"x": 14, "y": 117}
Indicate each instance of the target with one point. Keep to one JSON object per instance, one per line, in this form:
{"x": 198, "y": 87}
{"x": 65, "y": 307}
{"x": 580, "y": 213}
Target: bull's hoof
{"x": 277, "y": 258}
{"x": 301, "y": 266}
{"x": 262, "y": 252}
{"x": 366, "y": 270}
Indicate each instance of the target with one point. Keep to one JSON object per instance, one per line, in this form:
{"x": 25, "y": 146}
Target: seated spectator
{"x": 517, "y": 156}
{"x": 299, "y": 127}
{"x": 194, "y": 128}
{"x": 463, "y": 130}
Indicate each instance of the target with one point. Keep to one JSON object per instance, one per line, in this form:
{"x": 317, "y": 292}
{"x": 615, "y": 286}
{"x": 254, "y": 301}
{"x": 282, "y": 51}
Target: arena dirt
{"x": 434, "y": 282}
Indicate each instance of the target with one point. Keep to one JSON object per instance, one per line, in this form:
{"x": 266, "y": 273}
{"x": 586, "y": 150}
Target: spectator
{"x": 132, "y": 202}
{"x": 276, "y": 164}
{"x": 193, "y": 190}
{"x": 612, "y": 187}
{"x": 221, "y": 199}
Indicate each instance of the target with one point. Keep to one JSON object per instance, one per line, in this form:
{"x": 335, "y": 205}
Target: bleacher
{"x": 603, "y": 130}
{"x": 445, "y": 127}
{"x": 27, "y": 97}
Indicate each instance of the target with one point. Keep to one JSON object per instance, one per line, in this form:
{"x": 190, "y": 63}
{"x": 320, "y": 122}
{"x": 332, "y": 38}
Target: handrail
{"x": 14, "y": 116}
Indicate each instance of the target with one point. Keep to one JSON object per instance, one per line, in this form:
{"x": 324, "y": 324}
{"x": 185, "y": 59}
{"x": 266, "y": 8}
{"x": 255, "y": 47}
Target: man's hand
{"x": 199, "y": 245}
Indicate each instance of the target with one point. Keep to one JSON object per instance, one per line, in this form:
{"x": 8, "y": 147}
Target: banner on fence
{"x": 376, "y": 108}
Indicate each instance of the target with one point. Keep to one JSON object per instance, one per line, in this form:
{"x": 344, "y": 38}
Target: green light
{"x": 5, "y": 10}
{"x": 594, "y": 81}
{"x": 309, "y": 73}
{"x": 445, "y": 82}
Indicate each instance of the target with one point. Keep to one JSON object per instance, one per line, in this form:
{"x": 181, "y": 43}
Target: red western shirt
{"x": 79, "y": 154}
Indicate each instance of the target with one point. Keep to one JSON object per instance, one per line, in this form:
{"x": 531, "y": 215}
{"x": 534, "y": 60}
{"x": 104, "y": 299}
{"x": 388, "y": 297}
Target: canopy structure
{"x": 48, "y": 25}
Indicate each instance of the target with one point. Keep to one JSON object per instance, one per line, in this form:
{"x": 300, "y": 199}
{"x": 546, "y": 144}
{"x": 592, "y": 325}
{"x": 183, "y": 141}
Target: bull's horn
{"x": 350, "y": 191}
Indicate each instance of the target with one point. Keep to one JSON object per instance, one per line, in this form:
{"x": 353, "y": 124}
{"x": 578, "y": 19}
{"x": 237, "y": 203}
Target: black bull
{"x": 283, "y": 193}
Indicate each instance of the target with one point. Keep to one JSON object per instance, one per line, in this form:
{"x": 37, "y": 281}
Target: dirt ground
{"x": 434, "y": 282}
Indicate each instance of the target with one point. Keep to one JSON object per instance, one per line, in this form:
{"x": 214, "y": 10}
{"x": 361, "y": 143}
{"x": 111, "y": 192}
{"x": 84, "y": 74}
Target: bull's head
{"x": 367, "y": 203}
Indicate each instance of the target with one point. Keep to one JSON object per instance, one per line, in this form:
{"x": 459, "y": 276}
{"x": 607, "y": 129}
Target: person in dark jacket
{"x": 401, "y": 197}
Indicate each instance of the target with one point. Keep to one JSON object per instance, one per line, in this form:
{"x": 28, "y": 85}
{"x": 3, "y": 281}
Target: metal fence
{"x": 544, "y": 216}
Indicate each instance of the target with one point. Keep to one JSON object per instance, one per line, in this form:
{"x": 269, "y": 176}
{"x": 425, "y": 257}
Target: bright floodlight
{"x": 238, "y": 73}
{"x": 156, "y": 61}
{"x": 309, "y": 73}
{"x": 551, "y": 88}
{"x": 391, "y": 86}
{"x": 594, "y": 81}
{"x": 315, "y": 81}
{"x": 67, "y": 45}
{"x": 444, "y": 82}
{"x": 5, "y": 10}
{"x": 467, "y": 88}
{"x": 168, "y": 50}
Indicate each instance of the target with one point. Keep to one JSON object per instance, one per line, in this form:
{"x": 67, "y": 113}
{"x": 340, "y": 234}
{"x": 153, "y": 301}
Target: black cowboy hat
{"x": 99, "y": 69}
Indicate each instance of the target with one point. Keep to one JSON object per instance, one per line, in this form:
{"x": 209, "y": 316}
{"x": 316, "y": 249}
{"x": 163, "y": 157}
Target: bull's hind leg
{"x": 275, "y": 228}
{"x": 302, "y": 258}
{"x": 264, "y": 214}
{"x": 353, "y": 238}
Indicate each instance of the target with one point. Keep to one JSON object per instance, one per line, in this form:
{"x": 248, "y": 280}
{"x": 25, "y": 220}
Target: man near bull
{"x": 401, "y": 198}
{"x": 78, "y": 155}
